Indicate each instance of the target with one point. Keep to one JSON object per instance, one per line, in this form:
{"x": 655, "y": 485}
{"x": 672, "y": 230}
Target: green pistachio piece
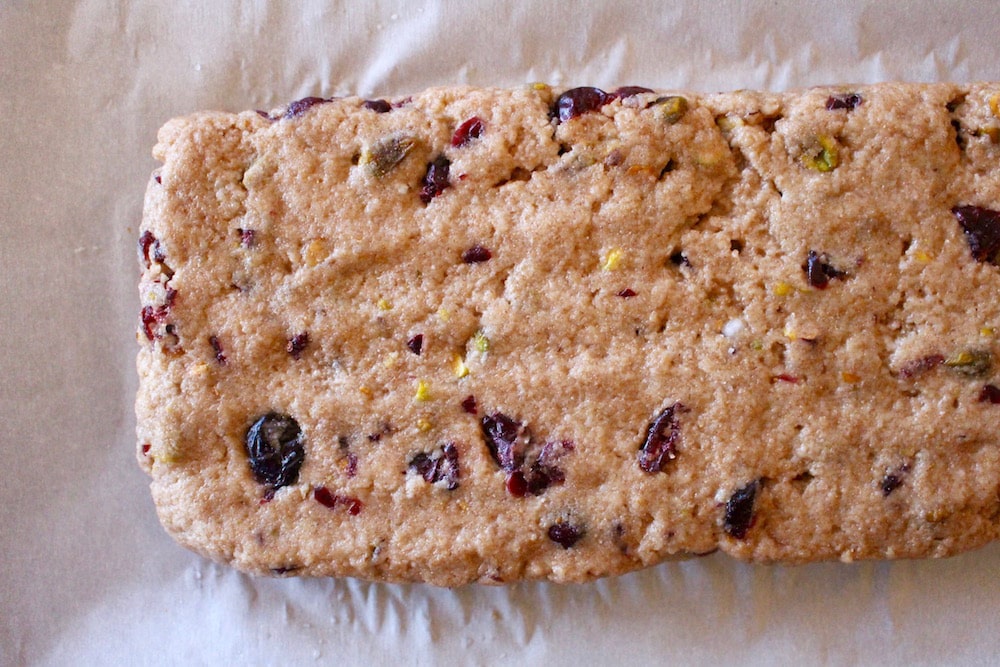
{"x": 973, "y": 363}
{"x": 825, "y": 158}
{"x": 382, "y": 156}
{"x": 671, "y": 108}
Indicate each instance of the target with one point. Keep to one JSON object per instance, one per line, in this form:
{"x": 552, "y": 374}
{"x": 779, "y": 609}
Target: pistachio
{"x": 382, "y": 156}
{"x": 481, "y": 342}
{"x": 972, "y": 363}
{"x": 822, "y": 156}
{"x": 671, "y": 108}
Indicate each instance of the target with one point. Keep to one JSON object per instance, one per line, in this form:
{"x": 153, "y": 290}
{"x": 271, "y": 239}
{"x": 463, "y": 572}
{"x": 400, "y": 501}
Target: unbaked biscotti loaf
{"x": 492, "y": 335}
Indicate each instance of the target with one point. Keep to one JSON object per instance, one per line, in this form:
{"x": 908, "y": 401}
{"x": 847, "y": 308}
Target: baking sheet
{"x": 86, "y": 574}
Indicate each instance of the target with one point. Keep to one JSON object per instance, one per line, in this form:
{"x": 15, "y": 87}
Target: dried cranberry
{"x": 469, "y": 404}
{"x": 296, "y": 344}
{"x": 151, "y": 317}
{"x": 146, "y": 242}
{"x": 436, "y": 179}
{"x": 982, "y": 231}
{"x": 332, "y": 500}
{"x": 918, "y": 366}
{"x": 247, "y": 237}
{"x": 819, "y": 272}
{"x": 352, "y": 465}
{"x": 848, "y": 102}
{"x": 784, "y": 377}
{"x": 275, "y": 451}
{"x": 628, "y": 91}
{"x": 565, "y": 534}
{"x": 263, "y": 114}
{"x": 299, "y": 107}
{"x": 577, "y": 101}
{"x": 145, "y": 448}
{"x": 544, "y": 472}
{"x": 378, "y": 106}
{"x": 990, "y": 393}
{"x": 662, "y": 435}
{"x": 502, "y": 434}
{"x": 158, "y": 180}
{"x": 416, "y": 344}
{"x": 467, "y": 131}
{"x": 679, "y": 259}
{"x": 438, "y": 466}
{"x": 739, "y": 511}
{"x": 476, "y": 254}
{"x": 217, "y": 348}
{"x": 627, "y": 293}
{"x": 517, "y": 485}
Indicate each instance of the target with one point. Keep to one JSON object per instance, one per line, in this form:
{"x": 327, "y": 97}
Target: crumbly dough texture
{"x": 782, "y": 275}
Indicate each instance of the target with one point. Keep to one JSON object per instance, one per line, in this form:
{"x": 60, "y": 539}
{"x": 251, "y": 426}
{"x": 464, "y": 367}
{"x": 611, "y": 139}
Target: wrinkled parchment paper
{"x": 87, "y": 576}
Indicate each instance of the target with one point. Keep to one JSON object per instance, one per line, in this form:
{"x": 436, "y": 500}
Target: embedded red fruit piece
{"x": 565, "y": 534}
{"x": 416, "y": 344}
{"x": 982, "y": 231}
{"x": 990, "y": 394}
{"x": 151, "y": 318}
{"x": 476, "y": 254}
{"x": 263, "y": 114}
{"x": 378, "y": 106}
{"x": 247, "y": 237}
{"x": 158, "y": 180}
{"x": 660, "y": 445}
{"x": 544, "y": 472}
{"x": 275, "y": 449}
{"x": 517, "y": 485}
{"x": 784, "y": 377}
{"x": 848, "y": 102}
{"x": 578, "y": 101}
{"x": 469, "y": 404}
{"x": 627, "y": 293}
{"x": 467, "y": 131}
{"x": 352, "y": 464}
{"x": 739, "y": 511}
{"x": 217, "y": 348}
{"x": 628, "y": 91}
{"x": 436, "y": 179}
{"x": 333, "y": 500}
{"x": 149, "y": 242}
{"x": 438, "y": 466}
{"x": 502, "y": 434}
{"x": 145, "y": 449}
{"x": 296, "y": 344}
{"x": 299, "y": 107}
{"x": 918, "y": 366}
{"x": 819, "y": 272}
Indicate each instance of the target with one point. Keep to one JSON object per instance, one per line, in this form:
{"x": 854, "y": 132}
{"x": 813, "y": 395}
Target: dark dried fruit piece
{"x": 982, "y": 231}
{"x": 502, "y": 435}
{"x": 436, "y": 179}
{"x": 247, "y": 237}
{"x": 275, "y": 449}
{"x": 476, "y": 254}
{"x": 679, "y": 259}
{"x": 893, "y": 480}
{"x": 297, "y": 344}
{"x": 516, "y": 484}
{"x": 147, "y": 242}
{"x": 660, "y": 445}
{"x": 469, "y": 404}
{"x": 628, "y": 91}
{"x": 299, "y": 107}
{"x": 918, "y": 366}
{"x": 416, "y": 344}
{"x": 467, "y": 131}
{"x": 848, "y": 102}
{"x": 739, "y": 511}
{"x": 220, "y": 356}
{"x": 438, "y": 466}
{"x": 627, "y": 293}
{"x": 352, "y": 465}
{"x": 378, "y": 106}
{"x": 578, "y": 101}
{"x": 332, "y": 500}
{"x": 544, "y": 472}
{"x": 990, "y": 394}
{"x": 819, "y": 272}
{"x": 565, "y": 534}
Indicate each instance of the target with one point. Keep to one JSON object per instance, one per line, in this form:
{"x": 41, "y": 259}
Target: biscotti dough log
{"x": 491, "y": 335}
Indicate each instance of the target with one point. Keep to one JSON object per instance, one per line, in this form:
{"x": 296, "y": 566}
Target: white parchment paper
{"x": 87, "y": 577}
